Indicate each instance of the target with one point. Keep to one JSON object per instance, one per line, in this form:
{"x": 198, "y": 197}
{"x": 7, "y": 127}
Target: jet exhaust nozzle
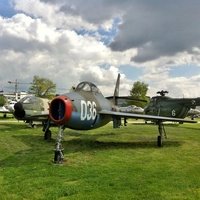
{"x": 60, "y": 110}
{"x": 19, "y": 111}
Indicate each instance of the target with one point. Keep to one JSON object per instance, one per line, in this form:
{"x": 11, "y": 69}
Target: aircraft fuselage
{"x": 80, "y": 110}
{"x": 171, "y": 107}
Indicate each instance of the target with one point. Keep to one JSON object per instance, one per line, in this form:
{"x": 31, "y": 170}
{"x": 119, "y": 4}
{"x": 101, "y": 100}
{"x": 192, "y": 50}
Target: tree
{"x": 42, "y": 87}
{"x": 139, "y": 91}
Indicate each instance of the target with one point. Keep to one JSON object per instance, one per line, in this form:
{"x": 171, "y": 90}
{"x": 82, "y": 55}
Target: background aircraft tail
{"x": 116, "y": 92}
{"x": 116, "y": 96}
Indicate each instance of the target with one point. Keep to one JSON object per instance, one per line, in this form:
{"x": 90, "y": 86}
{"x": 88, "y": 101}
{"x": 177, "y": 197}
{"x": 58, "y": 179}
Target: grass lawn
{"x": 105, "y": 163}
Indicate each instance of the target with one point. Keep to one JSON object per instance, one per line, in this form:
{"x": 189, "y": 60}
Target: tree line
{"x": 44, "y": 87}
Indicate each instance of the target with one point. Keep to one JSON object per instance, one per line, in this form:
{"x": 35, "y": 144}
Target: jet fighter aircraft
{"x": 86, "y": 108}
{"x": 5, "y": 111}
{"x": 132, "y": 109}
{"x": 7, "y": 108}
{"x": 34, "y": 109}
{"x": 170, "y": 107}
{"x": 193, "y": 113}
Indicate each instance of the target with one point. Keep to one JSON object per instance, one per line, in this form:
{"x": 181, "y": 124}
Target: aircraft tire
{"x": 34, "y": 126}
{"x": 58, "y": 157}
{"x": 47, "y": 135}
{"x": 159, "y": 141}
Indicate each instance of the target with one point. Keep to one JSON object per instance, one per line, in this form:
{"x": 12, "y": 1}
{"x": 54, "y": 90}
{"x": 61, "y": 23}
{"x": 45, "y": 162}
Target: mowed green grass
{"x": 105, "y": 163}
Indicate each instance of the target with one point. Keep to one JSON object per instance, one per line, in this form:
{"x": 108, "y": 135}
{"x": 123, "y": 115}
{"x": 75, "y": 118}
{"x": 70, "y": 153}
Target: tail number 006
{"x": 88, "y": 110}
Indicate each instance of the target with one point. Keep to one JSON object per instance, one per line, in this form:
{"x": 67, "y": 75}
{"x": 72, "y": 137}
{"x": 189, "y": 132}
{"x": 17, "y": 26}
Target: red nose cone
{"x": 60, "y": 110}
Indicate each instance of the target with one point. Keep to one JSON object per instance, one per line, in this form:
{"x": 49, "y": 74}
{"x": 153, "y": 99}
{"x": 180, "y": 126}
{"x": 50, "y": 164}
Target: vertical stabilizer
{"x": 116, "y": 92}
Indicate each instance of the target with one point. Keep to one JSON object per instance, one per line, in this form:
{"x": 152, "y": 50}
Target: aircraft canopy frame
{"x": 87, "y": 87}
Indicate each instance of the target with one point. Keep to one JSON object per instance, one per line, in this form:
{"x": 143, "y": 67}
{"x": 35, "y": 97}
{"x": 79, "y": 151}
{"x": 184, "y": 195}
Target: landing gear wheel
{"x": 34, "y": 126}
{"x": 159, "y": 141}
{"x": 58, "y": 157}
{"x": 47, "y": 135}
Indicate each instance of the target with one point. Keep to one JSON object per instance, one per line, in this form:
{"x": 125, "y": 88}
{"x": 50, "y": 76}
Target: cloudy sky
{"x": 68, "y": 41}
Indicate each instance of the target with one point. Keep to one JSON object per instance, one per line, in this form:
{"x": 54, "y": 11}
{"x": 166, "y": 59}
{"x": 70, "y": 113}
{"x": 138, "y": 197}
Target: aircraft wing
{"x": 145, "y": 117}
{"x": 40, "y": 117}
{"x": 125, "y": 98}
{"x": 4, "y": 110}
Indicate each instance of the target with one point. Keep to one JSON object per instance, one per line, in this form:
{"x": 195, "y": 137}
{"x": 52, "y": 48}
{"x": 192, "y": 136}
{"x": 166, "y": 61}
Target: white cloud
{"x": 31, "y": 47}
{"x": 51, "y": 14}
{"x": 45, "y": 39}
{"x": 28, "y": 29}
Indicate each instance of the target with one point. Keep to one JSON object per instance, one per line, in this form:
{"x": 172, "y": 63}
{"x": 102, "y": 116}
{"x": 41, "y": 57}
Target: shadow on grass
{"x": 153, "y": 124}
{"x": 109, "y": 140}
{"x": 42, "y": 152}
{"x": 169, "y": 125}
{"x": 194, "y": 128}
{"x": 13, "y": 127}
{"x": 34, "y": 150}
{"x": 90, "y": 145}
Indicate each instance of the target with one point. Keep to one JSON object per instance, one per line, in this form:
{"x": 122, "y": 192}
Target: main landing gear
{"x": 58, "y": 152}
{"x": 59, "y": 155}
{"x": 46, "y": 130}
{"x": 161, "y": 130}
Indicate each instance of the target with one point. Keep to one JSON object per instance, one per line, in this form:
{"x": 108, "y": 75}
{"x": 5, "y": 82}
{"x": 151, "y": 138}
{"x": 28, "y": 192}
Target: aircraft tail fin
{"x": 116, "y": 120}
{"x": 116, "y": 92}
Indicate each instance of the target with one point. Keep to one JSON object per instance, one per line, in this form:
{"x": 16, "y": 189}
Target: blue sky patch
{"x": 6, "y": 9}
{"x": 106, "y": 36}
{"x": 185, "y": 71}
{"x": 131, "y": 72}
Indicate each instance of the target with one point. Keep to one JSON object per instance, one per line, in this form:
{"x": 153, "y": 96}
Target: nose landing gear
{"x": 58, "y": 152}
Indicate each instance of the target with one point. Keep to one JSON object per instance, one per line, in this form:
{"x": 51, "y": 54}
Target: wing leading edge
{"x": 145, "y": 117}
{"x": 36, "y": 117}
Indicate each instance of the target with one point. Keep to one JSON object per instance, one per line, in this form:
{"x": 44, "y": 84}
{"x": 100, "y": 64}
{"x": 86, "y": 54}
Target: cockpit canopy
{"x": 29, "y": 99}
{"x": 87, "y": 87}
